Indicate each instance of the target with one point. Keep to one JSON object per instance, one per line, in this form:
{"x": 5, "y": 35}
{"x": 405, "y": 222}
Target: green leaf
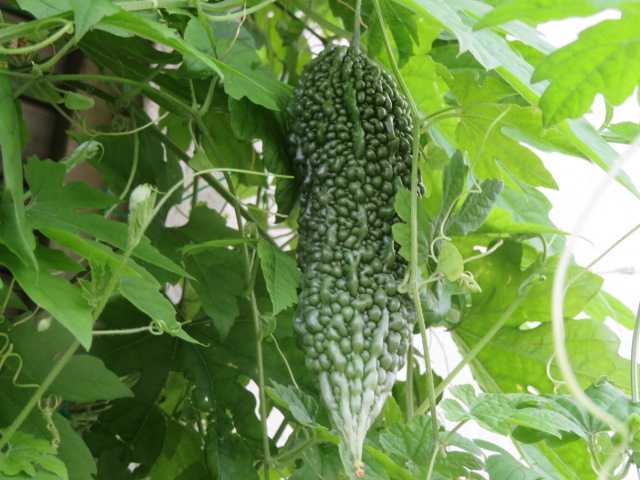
{"x": 604, "y": 305}
{"x": 54, "y": 260}
{"x": 15, "y": 231}
{"x": 222, "y": 148}
{"x": 525, "y": 211}
{"x": 570, "y": 460}
{"x": 450, "y": 262}
{"x": 147, "y": 358}
{"x": 73, "y": 452}
{"x": 86, "y": 379}
{"x": 195, "y": 35}
{"x": 55, "y": 295}
{"x": 487, "y": 47}
{"x": 545, "y": 420}
{"x": 320, "y": 462}
{"x": 406, "y": 31}
{"x": 91, "y": 250}
{"x": 494, "y": 52}
{"x": 623, "y": 132}
{"x": 505, "y": 467}
{"x": 195, "y": 248}
{"x": 480, "y": 132}
{"x": 88, "y": 14}
{"x": 476, "y": 208}
{"x": 280, "y": 274}
{"x": 491, "y": 411}
{"x": 516, "y": 359}
{"x": 56, "y": 205}
{"x": 409, "y": 441}
{"x": 181, "y": 449}
{"x": 302, "y": 406}
{"x": 604, "y": 395}
{"x": 251, "y": 122}
{"x": 32, "y": 456}
{"x": 82, "y": 153}
{"x": 44, "y": 8}
{"x": 146, "y": 297}
{"x": 424, "y": 77}
{"x": 245, "y": 75}
{"x": 605, "y": 59}
{"x": 77, "y": 101}
{"x": 240, "y": 79}
{"x": 540, "y": 11}
{"x": 219, "y": 284}
{"x": 453, "y": 183}
{"x": 235, "y": 459}
{"x": 501, "y": 274}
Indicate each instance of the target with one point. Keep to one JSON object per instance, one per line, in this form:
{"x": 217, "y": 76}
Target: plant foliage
{"x": 146, "y": 323}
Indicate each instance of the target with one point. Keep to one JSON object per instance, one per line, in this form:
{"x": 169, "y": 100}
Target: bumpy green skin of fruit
{"x": 351, "y": 136}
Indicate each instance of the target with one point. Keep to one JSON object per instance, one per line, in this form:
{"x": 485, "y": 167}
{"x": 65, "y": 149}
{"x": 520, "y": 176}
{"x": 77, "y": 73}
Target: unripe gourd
{"x": 351, "y": 132}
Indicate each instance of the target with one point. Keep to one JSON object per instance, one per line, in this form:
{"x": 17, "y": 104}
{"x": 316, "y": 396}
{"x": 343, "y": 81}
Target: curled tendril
{"x": 556, "y": 383}
{"x": 48, "y": 406}
{"x": 155, "y": 328}
{"x": 6, "y": 353}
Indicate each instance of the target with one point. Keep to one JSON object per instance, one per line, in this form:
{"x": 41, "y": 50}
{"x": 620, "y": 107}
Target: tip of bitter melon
{"x": 359, "y": 470}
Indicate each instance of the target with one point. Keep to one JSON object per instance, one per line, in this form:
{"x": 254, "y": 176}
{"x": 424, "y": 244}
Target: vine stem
{"x": 124, "y": 331}
{"x": 132, "y": 174}
{"x": 557, "y": 309}
{"x": 255, "y": 313}
{"x": 413, "y": 270}
{"x": 241, "y": 13}
{"x": 409, "y": 387}
{"x": 66, "y": 28}
{"x": 635, "y": 387}
{"x": 37, "y": 395}
{"x": 477, "y": 348}
{"x": 356, "y": 26}
{"x": 605, "y": 253}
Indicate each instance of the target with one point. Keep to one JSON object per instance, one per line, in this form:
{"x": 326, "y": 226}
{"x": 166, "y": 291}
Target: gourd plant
{"x": 294, "y": 199}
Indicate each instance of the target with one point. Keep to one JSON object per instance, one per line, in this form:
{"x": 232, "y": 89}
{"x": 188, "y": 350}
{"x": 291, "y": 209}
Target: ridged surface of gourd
{"x": 351, "y": 137}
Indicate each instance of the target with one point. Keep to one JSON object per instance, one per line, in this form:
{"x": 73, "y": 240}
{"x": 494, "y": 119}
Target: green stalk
{"x": 37, "y": 395}
{"x": 635, "y": 384}
{"x": 25, "y": 28}
{"x": 255, "y": 314}
{"x": 242, "y": 13}
{"x": 356, "y": 26}
{"x": 605, "y": 253}
{"x": 66, "y": 28}
{"x": 473, "y": 353}
{"x": 413, "y": 272}
{"x": 409, "y": 386}
{"x": 132, "y": 174}
{"x": 320, "y": 20}
{"x": 147, "y": 89}
{"x": 124, "y": 331}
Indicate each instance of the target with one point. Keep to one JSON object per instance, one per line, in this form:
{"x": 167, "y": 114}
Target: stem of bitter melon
{"x": 255, "y": 313}
{"x": 356, "y": 26}
{"x": 413, "y": 272}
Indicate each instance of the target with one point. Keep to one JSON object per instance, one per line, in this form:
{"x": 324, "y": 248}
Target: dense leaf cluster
{"x": 147, "y": 317}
